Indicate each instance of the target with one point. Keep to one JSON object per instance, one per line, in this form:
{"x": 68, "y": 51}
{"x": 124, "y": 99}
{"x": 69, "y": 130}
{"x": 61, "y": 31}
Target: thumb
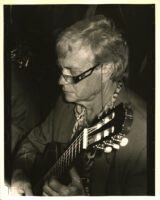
{"x": 14, "y": 191}
{"x": 28, "y": 191}
{"x": 74, "y": 175}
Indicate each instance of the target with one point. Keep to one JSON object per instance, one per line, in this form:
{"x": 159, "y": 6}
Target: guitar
{"x": 106, "y": 134}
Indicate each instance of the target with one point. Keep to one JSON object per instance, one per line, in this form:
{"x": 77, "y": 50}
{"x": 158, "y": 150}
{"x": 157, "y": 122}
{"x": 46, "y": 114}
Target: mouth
{"x": 66, "y": 91}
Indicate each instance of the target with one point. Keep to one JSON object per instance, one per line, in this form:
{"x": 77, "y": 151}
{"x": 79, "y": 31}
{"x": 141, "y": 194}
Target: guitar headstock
{"x": 109, "y": 132}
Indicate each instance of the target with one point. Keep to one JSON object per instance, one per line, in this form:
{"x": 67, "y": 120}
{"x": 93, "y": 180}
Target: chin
{"x": 70, "y": 97}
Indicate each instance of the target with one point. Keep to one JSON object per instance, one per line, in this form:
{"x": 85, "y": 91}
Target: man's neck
{"x": 95, "y": 106}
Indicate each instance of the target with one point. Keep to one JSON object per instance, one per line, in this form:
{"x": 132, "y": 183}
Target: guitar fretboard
{"x": 66, "y": 159}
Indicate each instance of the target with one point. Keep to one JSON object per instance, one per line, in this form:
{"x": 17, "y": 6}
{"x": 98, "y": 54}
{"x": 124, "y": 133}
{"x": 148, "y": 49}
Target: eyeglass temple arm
{"x": 84, "y": 74}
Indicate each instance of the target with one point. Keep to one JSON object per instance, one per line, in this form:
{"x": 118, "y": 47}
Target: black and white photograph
{"x": 79, "y": 99}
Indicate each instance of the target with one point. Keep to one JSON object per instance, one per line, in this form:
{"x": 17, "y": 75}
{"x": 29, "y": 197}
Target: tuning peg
{"x": 116, "y": 146}
{"x": 99, "y": 146}
{"x": 107, "y": 149}
{"x": 111, "y": 144}
{"x": 108, "y": 131}
{"x": 124, "y": 142}
{"x": 116, "y": 138}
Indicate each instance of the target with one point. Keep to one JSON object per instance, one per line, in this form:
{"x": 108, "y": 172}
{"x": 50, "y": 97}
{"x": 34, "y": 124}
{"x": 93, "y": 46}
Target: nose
{"x": 62, "y": 80}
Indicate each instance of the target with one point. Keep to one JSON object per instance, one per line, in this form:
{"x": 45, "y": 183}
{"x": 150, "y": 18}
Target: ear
{"x": 108, "y": 69}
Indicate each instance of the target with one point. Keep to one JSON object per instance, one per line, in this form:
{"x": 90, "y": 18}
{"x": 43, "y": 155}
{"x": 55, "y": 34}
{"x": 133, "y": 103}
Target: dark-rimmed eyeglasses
{"x": 76, "y": 79}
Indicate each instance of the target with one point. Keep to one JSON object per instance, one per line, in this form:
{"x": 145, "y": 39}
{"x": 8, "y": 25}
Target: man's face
{"x": 75, "y": 63}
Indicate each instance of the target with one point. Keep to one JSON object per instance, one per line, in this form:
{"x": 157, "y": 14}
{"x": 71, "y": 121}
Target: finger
{"x": 73, "y": 189}
{"x": 15, "y": 191}
{"x": 49, "y": 191}
{"x": 60, "y": 188}
{"x": 28, "y": 191}
{"x": 74, "y": 175}
{"x": 54, "y": 184}
{"x": 76, "y": 186}
{"x": 76, "y": 189}
{"x": 44, "y": 194}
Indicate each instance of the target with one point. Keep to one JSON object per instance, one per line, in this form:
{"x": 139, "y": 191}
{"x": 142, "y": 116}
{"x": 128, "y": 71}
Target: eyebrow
{"x": 71, "y": 68}
{"x": 68, "y": 67}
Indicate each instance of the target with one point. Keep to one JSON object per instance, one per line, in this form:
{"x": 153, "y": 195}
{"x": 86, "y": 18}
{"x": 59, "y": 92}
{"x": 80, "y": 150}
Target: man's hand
{"x": 20, "y": 184}
{"x": 54, "y": 188}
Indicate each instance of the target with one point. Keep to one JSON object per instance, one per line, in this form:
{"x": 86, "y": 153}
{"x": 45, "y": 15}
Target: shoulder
{"x": 139, "y": 105}
{"x": 139, "y": 125}
{"x": 139, "y": 110}
{"x": 137, "y": 135}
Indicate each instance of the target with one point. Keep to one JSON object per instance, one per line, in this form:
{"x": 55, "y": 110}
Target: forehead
{"x": 80, "y": 57}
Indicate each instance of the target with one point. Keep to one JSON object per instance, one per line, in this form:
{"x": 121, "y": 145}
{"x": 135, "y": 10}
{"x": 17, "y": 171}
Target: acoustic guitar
{"x": 107, "y": 134}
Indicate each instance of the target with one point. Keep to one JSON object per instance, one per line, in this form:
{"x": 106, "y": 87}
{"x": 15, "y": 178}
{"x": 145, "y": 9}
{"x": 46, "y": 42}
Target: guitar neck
{"x": 67, "y": 158}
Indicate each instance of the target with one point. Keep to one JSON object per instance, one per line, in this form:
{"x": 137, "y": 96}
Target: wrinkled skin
{"x": 21, "y": 186}
{"x": 53, "y": 187}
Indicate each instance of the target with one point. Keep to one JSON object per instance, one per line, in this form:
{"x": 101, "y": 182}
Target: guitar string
{"x": 61, "y": 160}
{"x": 68, "y": 154}
{"x": 71, "y": 152}
{"x": 67, "y": 157}
{"x": 90, "y": 130}
{"x": 76, "y": 142}
{"x": 73, "y": 146}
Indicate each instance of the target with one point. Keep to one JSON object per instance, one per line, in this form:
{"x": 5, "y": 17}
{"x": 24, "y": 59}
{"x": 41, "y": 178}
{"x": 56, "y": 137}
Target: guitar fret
{"x": 64, "y": 161}
{"x": 55, "y": 170}
{"x": 67, "y": 162}
{"x": 79, "y": 146}
{"x": 61, "y": 165}
{"x": 79, "y": 143}
{"x": 75, "y": 149}
{"x": 58, "y": 166}
{"x": 72, "y": 152}
{"x": 67, "y": 157}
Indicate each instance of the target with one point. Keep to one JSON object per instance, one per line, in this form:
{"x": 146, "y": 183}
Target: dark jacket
{"x": 121, "y": 172}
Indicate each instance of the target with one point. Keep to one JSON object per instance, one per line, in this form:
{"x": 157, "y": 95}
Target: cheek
{"x": 88, "y": 88}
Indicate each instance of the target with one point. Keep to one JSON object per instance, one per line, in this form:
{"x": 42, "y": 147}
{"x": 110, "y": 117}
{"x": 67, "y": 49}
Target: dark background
{"x": 33, "y": 29}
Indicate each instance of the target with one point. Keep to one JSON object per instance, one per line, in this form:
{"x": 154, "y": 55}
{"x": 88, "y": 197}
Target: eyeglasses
{"x": 76, "y": 79}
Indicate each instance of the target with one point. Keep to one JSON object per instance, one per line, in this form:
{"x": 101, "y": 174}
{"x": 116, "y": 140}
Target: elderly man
{"x": 92, "y": 56}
